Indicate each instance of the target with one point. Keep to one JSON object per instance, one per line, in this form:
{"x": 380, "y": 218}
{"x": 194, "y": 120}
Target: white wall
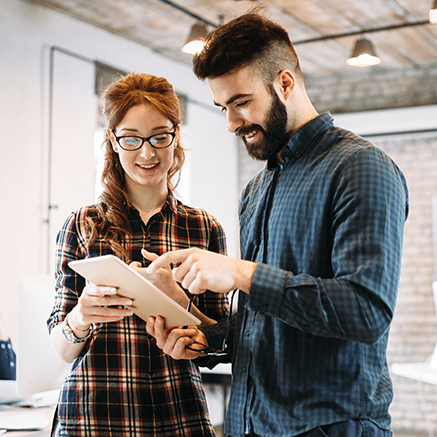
{"x": 214, "y": 167}
{"x": 388, "y": 121}
{"x": 27, "y": 32}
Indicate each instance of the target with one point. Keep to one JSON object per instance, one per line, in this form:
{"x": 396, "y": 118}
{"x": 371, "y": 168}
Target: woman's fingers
{"x": 99, "y": 304}
{"x": 149, "y": 255}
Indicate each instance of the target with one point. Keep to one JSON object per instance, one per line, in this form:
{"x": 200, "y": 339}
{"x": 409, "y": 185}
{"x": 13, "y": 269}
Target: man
{"x": 321, "y": 232}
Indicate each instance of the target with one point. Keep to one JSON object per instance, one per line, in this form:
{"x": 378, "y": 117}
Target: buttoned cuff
{"x": 267, "y": 289}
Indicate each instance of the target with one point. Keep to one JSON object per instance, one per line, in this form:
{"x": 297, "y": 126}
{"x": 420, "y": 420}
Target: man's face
{"x": 253, "y": 112}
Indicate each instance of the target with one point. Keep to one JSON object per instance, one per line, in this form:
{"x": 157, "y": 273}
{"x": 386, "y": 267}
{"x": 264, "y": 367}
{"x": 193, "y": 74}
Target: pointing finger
{"x": 149, "y": 255}
{"x": 176, "y": 256}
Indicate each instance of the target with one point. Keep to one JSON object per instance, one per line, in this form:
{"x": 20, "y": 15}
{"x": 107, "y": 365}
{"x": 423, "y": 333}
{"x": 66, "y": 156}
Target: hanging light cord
{"x": 363, "y": 31}
{"x": 310, "y": 40}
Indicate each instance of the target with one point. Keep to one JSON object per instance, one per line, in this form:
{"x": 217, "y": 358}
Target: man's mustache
{"x": 248, "y": 129}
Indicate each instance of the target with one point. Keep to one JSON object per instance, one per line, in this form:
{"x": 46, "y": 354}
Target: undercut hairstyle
{"x": 118, "y": 98}
{"x": 249, "y": 40}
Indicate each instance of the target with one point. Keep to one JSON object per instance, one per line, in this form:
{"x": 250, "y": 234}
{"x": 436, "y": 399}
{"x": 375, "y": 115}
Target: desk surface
{"x": 43, "y": 433}
{"x": 42, "y": 417}
{"x": 418, "y": 371}
{"x": 220, "y": 369}
{"x": 24, "y": 421}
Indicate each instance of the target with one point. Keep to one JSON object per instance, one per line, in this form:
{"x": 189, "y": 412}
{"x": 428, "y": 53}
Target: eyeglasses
{"x": 206, "y": 350}
{"x": 157, "y": 141}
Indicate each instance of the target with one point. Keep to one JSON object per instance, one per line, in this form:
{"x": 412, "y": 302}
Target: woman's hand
{"x": 98, "y": 304}
{"x": 161, "y": 278}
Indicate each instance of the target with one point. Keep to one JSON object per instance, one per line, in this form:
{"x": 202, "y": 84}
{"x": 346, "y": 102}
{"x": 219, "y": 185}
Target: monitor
{"x": 39, "y": 369}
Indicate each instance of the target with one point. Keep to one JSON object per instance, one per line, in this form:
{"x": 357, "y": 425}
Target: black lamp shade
{"x": 363, "y": 54}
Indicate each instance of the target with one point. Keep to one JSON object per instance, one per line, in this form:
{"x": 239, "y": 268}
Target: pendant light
{"x": 364, "y": 54}
{"x": 433, "y": 14}
{"x": 196, "y": 39}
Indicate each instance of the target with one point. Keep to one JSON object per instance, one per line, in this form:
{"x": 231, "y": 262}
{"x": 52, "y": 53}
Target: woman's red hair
{"x": 113, "y": 209}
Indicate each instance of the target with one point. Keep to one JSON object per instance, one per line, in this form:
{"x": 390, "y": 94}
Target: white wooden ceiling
{"x": 164, "y": 28}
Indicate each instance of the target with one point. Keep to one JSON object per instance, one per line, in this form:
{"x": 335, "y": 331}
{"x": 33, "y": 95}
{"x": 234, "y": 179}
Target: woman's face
{"x": 146, "y": 167}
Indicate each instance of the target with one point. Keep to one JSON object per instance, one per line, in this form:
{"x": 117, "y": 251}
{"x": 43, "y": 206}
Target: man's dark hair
{"x": 250, "y": 39}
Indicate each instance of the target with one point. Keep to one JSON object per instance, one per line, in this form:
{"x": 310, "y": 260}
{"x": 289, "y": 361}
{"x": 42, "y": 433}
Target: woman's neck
{"x": 148, "y": 201}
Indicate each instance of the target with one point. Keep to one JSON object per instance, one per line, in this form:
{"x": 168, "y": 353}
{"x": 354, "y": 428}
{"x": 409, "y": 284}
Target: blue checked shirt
{"x": 326, "y": 230}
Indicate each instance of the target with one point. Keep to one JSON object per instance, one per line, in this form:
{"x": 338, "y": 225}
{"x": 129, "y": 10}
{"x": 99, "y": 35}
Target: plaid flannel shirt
{"x": 123, "y": 384}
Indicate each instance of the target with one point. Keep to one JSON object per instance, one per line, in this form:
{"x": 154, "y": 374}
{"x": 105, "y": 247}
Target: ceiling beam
{"x": 191, "y": 14}
{"x": 362, "y": 32}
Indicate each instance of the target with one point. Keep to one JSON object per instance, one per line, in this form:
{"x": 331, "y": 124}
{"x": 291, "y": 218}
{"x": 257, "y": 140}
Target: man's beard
{"x": 275, "y": 133}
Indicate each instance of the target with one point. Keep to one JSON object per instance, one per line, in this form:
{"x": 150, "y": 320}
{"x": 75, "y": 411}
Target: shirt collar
{"x": 303, "y": 138}
{"x": 170, "y": 203}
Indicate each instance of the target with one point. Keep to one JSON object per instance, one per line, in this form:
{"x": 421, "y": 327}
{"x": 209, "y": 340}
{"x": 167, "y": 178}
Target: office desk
{"x": 42, "y": 433}
{"x": 221, "y": 375}
{"x": 42, "y": 417}
{"x": 25, "y": 421}
{"x": 220, "y": 369}
{"x": 418, "y": 371}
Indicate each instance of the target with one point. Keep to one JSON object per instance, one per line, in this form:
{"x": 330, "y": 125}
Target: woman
{"x": 121, "y": 384}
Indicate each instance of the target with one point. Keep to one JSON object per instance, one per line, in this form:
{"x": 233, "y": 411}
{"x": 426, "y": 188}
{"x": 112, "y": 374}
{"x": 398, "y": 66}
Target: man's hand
{"x": 161, "y": 278}
{"x": 201, "y": 270}
{"x": 174, "y": 342}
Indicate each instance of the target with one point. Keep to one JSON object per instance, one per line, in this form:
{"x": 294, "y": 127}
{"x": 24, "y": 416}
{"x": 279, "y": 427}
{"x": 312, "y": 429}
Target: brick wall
{"x": 370, "y": 89}
{"x": 414, "y": 329}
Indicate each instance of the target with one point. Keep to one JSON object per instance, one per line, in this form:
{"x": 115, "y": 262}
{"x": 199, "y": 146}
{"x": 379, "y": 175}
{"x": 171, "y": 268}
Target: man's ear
{"x": 285, "y": 82}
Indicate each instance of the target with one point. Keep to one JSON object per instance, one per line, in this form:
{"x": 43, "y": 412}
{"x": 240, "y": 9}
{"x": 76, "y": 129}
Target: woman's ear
{"x": 111, "y": 138}
{"x": 178, "y": 135}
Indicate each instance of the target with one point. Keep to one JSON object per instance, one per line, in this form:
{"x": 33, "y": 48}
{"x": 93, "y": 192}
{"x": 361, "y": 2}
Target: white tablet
{"x": 148, "y": 300}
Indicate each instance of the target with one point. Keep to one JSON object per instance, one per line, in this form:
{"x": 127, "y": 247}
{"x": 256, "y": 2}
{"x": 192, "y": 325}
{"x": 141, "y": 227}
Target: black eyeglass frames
{"x": 206, "y": 350}
{"x": 133, "y": 142}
